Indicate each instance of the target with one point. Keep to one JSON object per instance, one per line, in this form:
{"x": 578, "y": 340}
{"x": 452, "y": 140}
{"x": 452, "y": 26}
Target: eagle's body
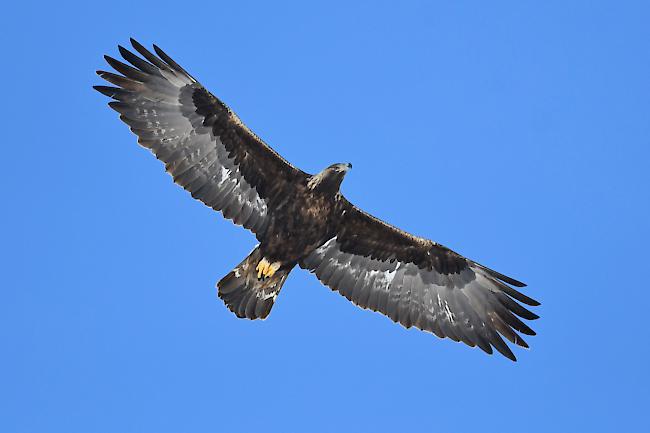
{"x": 302, "y": 219}
{"x": 316, "y": 215}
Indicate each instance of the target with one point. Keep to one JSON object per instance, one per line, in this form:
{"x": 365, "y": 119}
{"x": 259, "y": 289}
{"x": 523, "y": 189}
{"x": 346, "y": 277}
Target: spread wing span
{"x": 205, "y": 147}
{"x": 420, "y": 283}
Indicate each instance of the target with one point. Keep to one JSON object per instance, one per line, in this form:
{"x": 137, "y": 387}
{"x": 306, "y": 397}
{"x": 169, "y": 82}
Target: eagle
{"x": 300, "y": 219}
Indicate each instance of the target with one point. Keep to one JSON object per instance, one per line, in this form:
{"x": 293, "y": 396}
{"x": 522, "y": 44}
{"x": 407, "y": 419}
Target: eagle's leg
{"x": 265, "y": 269}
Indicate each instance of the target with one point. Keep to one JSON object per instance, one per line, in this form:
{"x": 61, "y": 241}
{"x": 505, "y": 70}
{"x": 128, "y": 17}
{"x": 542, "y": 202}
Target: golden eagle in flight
{"x": 302, "y": 219}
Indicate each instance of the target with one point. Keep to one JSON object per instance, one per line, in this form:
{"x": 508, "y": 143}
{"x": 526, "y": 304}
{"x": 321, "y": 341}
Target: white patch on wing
{"x": 383, "y": 278}
{"x": 225, "y": 175}
{"x": 259, "y": 205}
{"x": 326, "y": 245}
{"x": 450, "y": 315}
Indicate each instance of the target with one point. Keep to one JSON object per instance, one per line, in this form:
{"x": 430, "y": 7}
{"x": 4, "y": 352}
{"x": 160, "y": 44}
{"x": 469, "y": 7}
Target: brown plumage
{"x": 300, "y": 219}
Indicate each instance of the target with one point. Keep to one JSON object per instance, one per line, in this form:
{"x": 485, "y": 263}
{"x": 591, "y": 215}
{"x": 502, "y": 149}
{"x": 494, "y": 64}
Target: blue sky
{"x": 516, "y": 133}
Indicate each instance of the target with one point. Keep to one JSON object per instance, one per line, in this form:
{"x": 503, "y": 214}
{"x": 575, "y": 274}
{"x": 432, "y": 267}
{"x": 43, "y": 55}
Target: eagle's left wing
{"x": 420, "y": 283}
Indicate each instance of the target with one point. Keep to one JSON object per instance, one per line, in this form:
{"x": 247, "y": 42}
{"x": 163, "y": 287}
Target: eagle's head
{"x": 330, "y": 178}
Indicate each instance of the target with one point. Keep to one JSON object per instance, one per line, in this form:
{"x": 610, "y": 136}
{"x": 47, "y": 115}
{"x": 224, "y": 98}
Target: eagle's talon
{"x": 261, "y": 268}
{"x": 265, "y": 269}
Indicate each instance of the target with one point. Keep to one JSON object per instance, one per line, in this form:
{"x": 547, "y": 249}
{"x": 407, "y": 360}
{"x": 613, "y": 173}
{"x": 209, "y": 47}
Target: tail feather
{"x": 245, "y": 294}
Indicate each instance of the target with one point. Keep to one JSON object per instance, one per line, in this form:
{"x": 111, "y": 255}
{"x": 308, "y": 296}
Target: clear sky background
{"x": 516, "y": 133}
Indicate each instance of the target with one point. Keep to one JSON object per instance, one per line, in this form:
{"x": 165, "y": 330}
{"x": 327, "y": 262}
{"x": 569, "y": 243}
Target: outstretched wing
{"x": 420, "y": 283}
{"x": 205, "y": 147}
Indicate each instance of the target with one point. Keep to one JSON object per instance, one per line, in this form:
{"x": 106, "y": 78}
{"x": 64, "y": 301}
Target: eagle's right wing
{"x": 205, "y": 147}
{"x": 420, "y": 283}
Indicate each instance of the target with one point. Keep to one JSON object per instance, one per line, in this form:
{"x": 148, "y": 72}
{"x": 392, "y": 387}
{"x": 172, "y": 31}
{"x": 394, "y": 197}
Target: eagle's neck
{"x": 327, "y": 181}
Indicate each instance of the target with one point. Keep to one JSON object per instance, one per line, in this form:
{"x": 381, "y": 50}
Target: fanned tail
{"x": 247, "y": 294}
